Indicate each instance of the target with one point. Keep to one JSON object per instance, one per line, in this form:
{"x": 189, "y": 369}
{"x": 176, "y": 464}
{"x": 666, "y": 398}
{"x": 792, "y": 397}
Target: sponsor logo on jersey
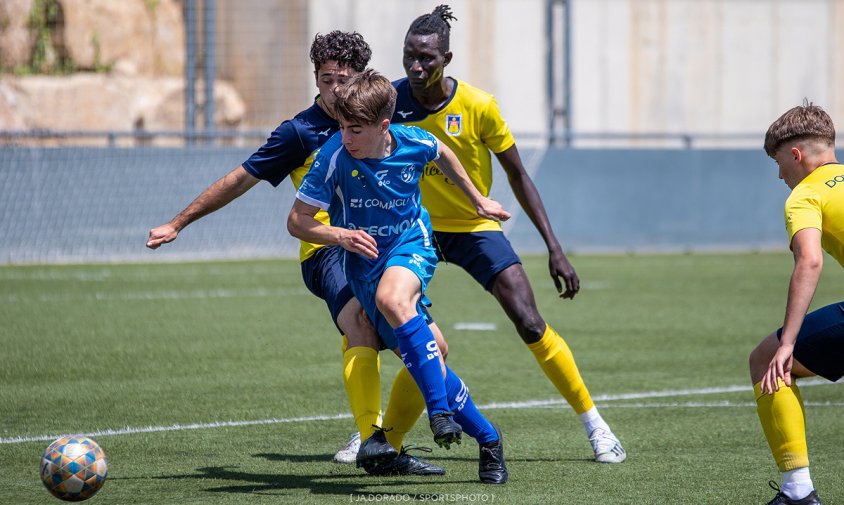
{"x": 375, "y": 203}
{"x": 454, "y": 124}
{"x": 325, "y": 133}
{"x": 404, "y": 114}
{"x": 380, "y": 175}
{"x": 835, "y": 180}
{"x": 385, "y": 230}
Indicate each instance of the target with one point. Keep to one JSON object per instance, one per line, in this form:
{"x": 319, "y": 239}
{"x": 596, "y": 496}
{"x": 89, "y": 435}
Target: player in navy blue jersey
{"x": 289, "y": 151}
{"x": 367, "y": 178}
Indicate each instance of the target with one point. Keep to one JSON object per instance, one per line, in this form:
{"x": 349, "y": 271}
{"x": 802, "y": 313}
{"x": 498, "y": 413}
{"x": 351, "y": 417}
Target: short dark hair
{"x": 804, "y": 122}
{"x": 346, "y": 48}
{"x": 367, "y": 97}
{"x": 435, "y": 22}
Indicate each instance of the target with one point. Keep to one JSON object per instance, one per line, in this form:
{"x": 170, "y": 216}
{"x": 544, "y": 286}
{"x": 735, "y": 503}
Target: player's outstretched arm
{"x": 215, "y": 197}
{"x": 451, "y": 167}
{"x": 808, "y": 263}
{"x": 302, "y": 224}
{"x": 562, "y": 271}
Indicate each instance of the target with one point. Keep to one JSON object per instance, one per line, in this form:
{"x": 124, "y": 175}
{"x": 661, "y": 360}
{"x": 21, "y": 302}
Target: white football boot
{"x": 348, "y": 455}
{"x": 606, "y": 446}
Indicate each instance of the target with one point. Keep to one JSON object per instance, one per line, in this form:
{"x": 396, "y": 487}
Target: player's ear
{"x": 447, "y": 58}
{"x": 385, "y": 125}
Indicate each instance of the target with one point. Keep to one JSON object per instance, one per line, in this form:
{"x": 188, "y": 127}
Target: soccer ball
{"x": 73, "y": 468}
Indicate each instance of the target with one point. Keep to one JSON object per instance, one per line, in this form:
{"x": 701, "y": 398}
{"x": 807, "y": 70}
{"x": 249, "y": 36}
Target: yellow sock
{"x": 784, "y": 423}
{"x": 363, "y": 387}
{"x": 405, "y": 407}
{"x": 556, "y": 360}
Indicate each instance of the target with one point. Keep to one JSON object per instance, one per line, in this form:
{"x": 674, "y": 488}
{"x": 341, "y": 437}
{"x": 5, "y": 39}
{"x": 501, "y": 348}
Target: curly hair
{"x": 804, "y": 122}
{"x": 435, "y": 22}
{"x": 346, "y": 48}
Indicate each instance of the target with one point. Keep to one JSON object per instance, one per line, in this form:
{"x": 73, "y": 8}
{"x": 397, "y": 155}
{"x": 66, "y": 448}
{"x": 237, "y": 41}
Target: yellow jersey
{"x": 470, "y": 123}
{"x": 815, "y": 203}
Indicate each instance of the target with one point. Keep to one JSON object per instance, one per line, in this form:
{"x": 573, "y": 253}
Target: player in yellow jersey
{"x": 468, "y": 121}
{"x": 802, "y": 141}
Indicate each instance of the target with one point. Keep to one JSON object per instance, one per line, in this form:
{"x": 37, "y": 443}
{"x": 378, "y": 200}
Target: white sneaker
{"x": 349, "y": 453}
{"x": 607, "y": 447}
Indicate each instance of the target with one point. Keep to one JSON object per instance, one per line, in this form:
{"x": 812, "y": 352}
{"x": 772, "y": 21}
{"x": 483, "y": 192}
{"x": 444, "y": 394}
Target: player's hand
{"x": 490, "y": 209}
{"x": 360, "y": 242}
{"x": 560, "y": 267}
{"x": 779, "y": 368}
{"x": 161, "y": 235}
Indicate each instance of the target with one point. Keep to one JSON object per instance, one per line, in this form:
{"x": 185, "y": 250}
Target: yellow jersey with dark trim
{"x": 290, "y": 151}
{"x": 815, "y": 203}
{"x": 470, "y": 123}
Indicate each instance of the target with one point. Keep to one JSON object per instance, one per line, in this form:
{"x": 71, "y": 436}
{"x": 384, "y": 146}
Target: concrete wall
{"x": 658, "y": 200}
{"x": 86, "y": 205}
{"x": 715, "y": 67}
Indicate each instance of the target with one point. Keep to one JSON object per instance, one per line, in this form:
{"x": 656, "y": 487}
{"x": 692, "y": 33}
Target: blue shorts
{"x": 484, "y": 254}
{"x": 820, "y": 343}
{"x": 324, "y": 277}
{"x": 417, "y": 258}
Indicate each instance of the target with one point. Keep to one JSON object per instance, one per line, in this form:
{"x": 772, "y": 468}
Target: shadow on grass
{"x": 323, "y": 484}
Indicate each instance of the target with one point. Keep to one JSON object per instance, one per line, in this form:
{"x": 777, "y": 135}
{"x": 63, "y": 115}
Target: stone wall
{"x": 99, "y": 65}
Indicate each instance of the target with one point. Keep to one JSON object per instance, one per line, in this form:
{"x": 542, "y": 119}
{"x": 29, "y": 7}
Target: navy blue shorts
{"x": 484, "y": 254}
{"x": 324, "y": 277}
{"x": 820, "y": 343}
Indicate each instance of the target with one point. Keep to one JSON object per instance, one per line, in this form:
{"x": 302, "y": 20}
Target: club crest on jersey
{"x": 407, "y": 173}
{"x": 453, "y": 124}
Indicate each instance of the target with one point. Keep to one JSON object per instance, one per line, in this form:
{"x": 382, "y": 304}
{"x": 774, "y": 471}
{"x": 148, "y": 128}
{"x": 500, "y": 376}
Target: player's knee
{"x": 758, "y": 360}
{"x": 531, "y": 328}
{"x": 358, "y": 329}
{"x": 391, "y": 306}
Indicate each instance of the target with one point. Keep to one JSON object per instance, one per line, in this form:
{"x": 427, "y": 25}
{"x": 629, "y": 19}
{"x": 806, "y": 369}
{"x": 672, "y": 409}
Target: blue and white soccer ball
{"x": 73, "y": 468}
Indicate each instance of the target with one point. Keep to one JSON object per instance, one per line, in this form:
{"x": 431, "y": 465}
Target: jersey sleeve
{"x": 282, "y": 153}
{"x": 425, "y": 141}
{"x": 318, "y": 185}
{"x": 495, "y": 133}
{"x": 802, "y": 210}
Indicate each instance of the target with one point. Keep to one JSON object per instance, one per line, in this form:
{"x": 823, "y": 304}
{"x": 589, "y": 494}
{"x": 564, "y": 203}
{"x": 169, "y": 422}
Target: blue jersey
{"x": 379, "y": 196}
{"x": 289, "y": 150}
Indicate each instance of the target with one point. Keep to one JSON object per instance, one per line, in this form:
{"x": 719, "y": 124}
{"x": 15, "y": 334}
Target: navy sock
{"x": 466, "y": 414}
{"x": 420, "y": 354}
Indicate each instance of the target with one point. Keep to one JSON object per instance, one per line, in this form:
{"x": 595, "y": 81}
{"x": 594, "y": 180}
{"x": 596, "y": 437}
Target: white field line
{"x": 489, "y": 406}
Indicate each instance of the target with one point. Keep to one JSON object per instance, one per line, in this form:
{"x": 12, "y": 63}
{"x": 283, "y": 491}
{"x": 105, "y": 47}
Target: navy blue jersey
{"x": 292, "y": 146}
{"x": 290, "y": 150}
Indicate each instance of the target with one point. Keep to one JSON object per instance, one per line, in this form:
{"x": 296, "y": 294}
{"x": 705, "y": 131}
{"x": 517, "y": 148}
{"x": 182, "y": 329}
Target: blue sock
{"x": 420, "y": 354}
{"x": 466, "y": 414}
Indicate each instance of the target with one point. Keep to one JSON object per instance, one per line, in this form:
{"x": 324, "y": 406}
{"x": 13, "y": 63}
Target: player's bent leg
{"x": 361, "y": 375}
{"x": 491, "y": 466}
{"x": 513, "y": 291}
{"x": 782, "y": 417}
{"x": 406, "y": 402}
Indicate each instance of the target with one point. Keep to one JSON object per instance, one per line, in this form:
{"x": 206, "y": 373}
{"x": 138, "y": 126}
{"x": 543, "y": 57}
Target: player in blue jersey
{"x": 289, "y": 151}
{"x": 367, "y": 179}
{"x": 467, "y": 119}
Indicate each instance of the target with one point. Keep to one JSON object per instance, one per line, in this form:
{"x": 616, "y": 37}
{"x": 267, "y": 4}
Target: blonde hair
{"x": 367, "y": 98}
{"x": 801, "y": 123}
